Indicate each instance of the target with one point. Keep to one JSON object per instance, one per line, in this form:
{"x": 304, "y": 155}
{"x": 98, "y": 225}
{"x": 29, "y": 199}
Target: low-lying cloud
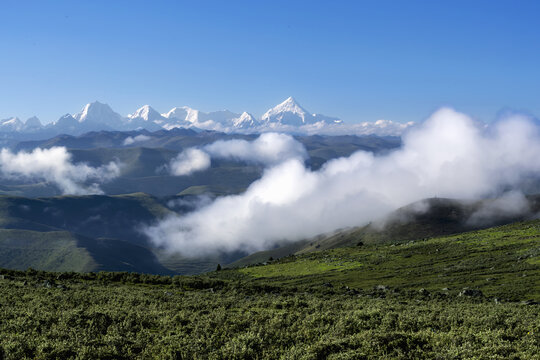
{"x": 135, "y": 139}
{"x": 189, "y": 161}
{"x": 268, "y": 149}
{"x": 449, "y": 155}
{"x": 509, "y": 205}
{"x": 55, "y": 166}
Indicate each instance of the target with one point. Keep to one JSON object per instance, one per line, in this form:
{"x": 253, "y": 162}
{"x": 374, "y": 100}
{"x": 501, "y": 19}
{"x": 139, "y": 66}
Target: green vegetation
{"x": 52, "y": 251}
{"x": 302, "y": 267}
{"x": 89, "y": 233}
{"x": 64, "y": 251}
{"x": 389, "y": 301}
{"x": 500, "y": 261}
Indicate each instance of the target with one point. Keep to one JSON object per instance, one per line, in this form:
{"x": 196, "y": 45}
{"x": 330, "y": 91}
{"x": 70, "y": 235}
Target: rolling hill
{"x": 90, "y": 233}
{"x": 436, "y": 217}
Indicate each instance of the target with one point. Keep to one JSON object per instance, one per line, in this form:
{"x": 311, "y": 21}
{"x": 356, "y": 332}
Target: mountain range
{"x": 288, "y": 116}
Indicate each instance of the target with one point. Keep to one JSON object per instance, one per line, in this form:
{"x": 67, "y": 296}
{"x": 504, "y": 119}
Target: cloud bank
{"x": 54, "y": 165}
{"x": 268, "y": 149}
{"x": 448, "y": 155}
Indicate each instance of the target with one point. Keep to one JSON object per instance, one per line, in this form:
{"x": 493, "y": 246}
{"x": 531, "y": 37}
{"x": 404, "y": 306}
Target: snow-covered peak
{"x": 66, "y": 117}
{"x": 11, "y": 124}
{"x": 245, "y": 120}
{"x": 11, "y": 120}
{"x": 180, "y": 113}
{"x": 97, "y": 112}
{"x": 286, "y": 111}
{"x": 146, "y": 113}
{"x": 290, "y": 112}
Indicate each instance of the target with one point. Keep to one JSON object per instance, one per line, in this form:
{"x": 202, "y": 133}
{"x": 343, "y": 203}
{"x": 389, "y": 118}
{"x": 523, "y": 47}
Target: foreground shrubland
{"x": 472, "y": 295}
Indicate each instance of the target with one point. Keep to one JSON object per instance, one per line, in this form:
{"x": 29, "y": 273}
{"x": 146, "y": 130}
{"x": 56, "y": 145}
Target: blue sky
{"x": 358, "y": 60}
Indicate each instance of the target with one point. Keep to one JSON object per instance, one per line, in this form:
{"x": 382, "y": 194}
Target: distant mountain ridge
{"x": 288, "y": 116}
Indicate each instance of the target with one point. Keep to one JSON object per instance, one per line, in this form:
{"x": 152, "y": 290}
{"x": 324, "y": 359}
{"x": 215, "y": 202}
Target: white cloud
{"x": 267, "y": 149}
{"x": 139, "y": 138}
{"x": 189, "y": 161}
{"x": 54, "y": 165}
{"x": 446, "y": 156}
{"x": 507, "y": 206}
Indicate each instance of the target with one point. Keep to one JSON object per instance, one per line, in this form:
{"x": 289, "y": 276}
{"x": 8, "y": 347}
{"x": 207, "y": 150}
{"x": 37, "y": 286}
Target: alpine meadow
{"x": 397, "y": 218}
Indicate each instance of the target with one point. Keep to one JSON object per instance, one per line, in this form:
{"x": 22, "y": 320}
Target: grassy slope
{"x": 263, "y": 256}
{"x": 320, "y": 305}
{"x": 67, "y": 233}
{"x": 502, "y": 261}
{"x": 53, "y": 251}
{"x": 64, "y": 251}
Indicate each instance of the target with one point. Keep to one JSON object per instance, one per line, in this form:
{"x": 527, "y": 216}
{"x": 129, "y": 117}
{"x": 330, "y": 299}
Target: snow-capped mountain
{"x": 98, "y": 113}
{"x": 180, "y": 117}
{"x": 288, "y": 116}
{"x": 93, "y": 117}
{"x": 245, "y": 121}
{"x": 146, "y": 113}
{"x": 13, "y": 124}
{"x": 186, "y": 116}
{"x": 290, "y": 112}
{"x": 145, "y": 117}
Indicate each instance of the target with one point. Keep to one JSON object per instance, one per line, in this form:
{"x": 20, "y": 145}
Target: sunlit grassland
{"x": 501, "y": 261}
{"x": 393, "y": 301}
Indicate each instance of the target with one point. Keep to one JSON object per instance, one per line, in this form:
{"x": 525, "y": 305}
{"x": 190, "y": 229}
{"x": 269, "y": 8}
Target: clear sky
{"x": 358, "y": 60}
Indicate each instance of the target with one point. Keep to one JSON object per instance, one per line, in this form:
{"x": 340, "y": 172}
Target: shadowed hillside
{"x": 89, "y": 233}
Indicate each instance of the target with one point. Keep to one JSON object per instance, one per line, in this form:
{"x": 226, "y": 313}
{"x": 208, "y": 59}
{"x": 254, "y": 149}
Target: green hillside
{"x": 92, "y": 216}
{"x": 52, "y": 251}
{"x": 468, "y": 296}
{"x": 501, "y": 261}
{"x": 90, "y": 233}
{"x": 64, "y": 251}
